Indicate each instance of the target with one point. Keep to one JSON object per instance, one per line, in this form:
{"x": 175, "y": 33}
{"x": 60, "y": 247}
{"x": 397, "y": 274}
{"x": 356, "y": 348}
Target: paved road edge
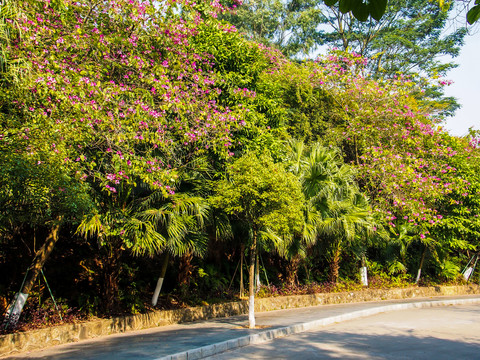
{"x": 267, "y": 335}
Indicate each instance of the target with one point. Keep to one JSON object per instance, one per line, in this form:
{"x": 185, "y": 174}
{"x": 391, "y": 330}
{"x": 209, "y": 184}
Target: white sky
{"x": 466, "y": 88}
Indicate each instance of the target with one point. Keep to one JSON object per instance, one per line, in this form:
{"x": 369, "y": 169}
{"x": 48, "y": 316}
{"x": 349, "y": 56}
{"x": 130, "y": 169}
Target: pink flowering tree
{"x": 459, "y": 211}
{"x": 113, "y": 95}
{"x": 405, "y": 161}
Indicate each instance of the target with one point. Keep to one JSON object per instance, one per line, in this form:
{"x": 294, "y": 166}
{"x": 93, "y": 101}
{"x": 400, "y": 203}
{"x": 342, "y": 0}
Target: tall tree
{"x": 266, "y": 198}
{"x": 411, "y": 169}
{"x": 412, "y": 36}
{"x": 38, "y": 191}
{"x": 288, "y": 25}
{"x": 376, "y": 8}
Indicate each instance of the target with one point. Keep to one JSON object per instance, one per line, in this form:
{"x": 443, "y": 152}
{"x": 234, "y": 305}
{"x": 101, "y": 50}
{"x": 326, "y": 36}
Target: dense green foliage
{"x": 412, "y": 37}
{"x": 261, "y": 194}
{"x": 154, "y": 130}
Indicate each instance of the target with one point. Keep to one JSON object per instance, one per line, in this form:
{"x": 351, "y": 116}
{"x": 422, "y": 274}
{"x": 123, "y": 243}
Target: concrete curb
{"x": 264, "y": 336}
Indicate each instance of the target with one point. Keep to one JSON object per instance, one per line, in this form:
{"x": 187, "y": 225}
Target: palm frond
{"x": 157, "y": 216}
{"x": 221, "y": 224}
{"x": 279, "y": 243}
{"x": 144, "y": 238}
{"x": 90, "y": 226}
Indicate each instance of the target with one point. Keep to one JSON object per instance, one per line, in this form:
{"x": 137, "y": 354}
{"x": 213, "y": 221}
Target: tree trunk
{"x": 242, "y": 252}
{"x": 110, "y": 275}
{"x": 422, "y": 259}
{"x": 251, "y": 283}
{"x": 292, "y": 270}
{"x": 186, "y": 269}
{"x": 257, "y": 274}
{"x": 335, "y": 265}
{"x": 364, "y": 272}
{"x": 185, "y": 272}
{"x": 307, "y": 271}
{"x": 41, "y": 256}
{"x": 163, "y": 271}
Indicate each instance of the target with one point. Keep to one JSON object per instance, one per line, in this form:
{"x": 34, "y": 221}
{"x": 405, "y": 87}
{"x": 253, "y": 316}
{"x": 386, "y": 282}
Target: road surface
{"x": 451, "y": 332}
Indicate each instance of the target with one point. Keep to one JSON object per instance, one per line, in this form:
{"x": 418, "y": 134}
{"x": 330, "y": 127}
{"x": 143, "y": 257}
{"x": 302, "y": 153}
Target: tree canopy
{"x": 376, "y": 8}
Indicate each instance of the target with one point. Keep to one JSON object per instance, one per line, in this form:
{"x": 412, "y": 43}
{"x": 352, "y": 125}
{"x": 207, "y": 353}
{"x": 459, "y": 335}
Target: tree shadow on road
{"x": 327, "y": 345}
{"x": 147, "y": 344}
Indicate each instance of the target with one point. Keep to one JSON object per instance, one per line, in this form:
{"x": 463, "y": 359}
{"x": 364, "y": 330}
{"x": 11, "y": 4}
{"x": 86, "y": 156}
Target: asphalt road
{"x": 451, "y": 332}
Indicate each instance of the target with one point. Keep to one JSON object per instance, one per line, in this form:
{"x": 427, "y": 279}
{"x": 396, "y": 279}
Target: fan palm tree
{"x": 336, "y": 212}
{"x": 148, "y": 224}
{"x": 180, "y": 220}
{"x": 115, "y": 225}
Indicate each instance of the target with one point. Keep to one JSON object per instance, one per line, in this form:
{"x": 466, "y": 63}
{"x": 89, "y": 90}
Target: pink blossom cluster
{"x": 123, "y": 86}
{"x": 404, "y": 160}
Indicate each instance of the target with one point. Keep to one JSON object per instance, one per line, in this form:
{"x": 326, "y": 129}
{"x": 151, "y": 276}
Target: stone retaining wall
{"x": 38, "y": 339}
{"x": 288, "y": 302}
